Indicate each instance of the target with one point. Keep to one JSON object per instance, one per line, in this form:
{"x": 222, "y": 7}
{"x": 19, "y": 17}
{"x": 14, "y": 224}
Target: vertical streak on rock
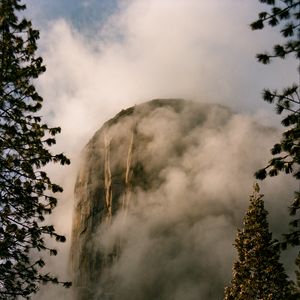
{"x": 107, "y": 180}
{"x": 126, "y": 198}
{"x": 127, "y": 189}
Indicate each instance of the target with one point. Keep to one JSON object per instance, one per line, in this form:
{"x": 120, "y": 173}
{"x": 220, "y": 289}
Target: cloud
{"x": 175, "y": 240}
{"x": 198, "y": 50}
{"x": 151, "y": 49}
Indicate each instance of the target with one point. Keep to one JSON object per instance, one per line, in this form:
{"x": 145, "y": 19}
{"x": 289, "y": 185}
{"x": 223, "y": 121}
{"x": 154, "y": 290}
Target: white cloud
{"x": 194, "y": 49}
{"x": 155, "y": 49}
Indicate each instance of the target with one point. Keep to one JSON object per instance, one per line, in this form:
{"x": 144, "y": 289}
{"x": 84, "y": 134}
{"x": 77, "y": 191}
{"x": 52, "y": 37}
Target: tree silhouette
{"x": 26, "y": 192}
{"x": 257, "y": 273}
{"x": 286, "y": 153}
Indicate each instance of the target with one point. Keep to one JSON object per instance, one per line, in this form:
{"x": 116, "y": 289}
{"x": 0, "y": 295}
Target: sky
{"x": 103, "y": 56}
{"x": 106, "y": 55}
{"x": 85, "y": 14}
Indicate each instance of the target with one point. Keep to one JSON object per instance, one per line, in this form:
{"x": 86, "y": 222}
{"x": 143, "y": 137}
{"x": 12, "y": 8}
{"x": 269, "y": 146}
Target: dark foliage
{"x": 26, "y": 192}
{"x": 258, "y": 274}
{"x": 286, "y": 153}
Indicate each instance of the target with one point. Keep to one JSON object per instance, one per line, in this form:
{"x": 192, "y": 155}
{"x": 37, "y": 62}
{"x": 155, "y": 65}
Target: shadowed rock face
{"x": 127, "y": 160}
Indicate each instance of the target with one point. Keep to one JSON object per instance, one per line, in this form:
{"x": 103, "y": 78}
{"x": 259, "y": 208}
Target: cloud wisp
{"x": 172, "y": 231}
{"x": 198, "y": 50}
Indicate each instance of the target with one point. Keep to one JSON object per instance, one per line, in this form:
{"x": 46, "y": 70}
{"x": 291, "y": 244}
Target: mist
{"x": 196, "y": 50}
{"x": 174, "y": 239}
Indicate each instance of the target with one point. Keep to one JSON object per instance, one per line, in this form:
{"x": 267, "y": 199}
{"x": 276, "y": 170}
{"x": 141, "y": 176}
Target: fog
{"x": 196, "y": 50}
{"x": 174, "y": 241}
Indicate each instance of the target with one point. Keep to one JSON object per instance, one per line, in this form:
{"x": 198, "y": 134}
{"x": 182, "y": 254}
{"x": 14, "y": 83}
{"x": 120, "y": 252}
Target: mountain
{"x": 161, "y": 189}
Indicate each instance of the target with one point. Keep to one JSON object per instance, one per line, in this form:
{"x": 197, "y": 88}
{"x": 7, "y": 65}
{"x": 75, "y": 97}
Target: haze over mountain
{"x": 103, "y": 56}
{"x": 161, "y": 190}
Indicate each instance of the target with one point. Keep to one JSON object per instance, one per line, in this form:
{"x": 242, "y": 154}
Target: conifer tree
{"x": 286, "y": 152}
{"x": 257, "y": 273}
{"x": 26, "y": 192}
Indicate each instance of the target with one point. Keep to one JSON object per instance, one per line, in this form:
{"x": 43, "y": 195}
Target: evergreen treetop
{"x": 258, "y": 273}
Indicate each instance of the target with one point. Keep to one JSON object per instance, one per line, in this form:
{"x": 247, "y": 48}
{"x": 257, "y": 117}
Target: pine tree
{"x": 258, "y": 274}
{"x": 26, "y": 192}
{"x": 286, "y": 153}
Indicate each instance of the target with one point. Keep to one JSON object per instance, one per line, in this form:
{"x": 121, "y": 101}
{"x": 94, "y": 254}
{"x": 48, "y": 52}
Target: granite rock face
{"x": 127, "y": 160}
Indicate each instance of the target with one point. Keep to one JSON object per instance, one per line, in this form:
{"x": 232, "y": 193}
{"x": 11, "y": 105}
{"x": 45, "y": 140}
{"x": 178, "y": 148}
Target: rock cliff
{"x": 155, "y": 208}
